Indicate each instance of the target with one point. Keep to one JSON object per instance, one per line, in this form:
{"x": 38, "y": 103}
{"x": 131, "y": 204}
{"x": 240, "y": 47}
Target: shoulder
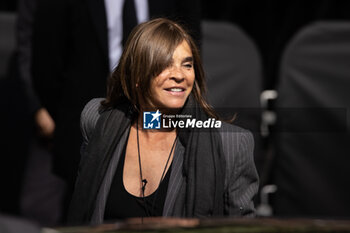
{"x": 89, "y": 116}
{"x": 235, "y": 138}
{"x": 93, "y": 111}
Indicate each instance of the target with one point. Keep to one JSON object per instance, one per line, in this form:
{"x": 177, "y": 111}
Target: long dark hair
{"x": 147, "y": 52}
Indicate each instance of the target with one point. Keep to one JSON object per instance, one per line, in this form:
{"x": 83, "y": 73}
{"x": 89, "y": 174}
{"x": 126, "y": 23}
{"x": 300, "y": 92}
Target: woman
{"x": 128, "y": 171}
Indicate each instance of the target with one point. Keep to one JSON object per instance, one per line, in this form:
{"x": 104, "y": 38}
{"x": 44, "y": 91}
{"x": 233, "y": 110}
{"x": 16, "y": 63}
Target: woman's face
{"x": 173, "y": 85}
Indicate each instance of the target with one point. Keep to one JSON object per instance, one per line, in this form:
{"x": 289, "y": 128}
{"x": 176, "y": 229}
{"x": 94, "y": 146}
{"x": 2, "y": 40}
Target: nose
{"x": 177, "y": 75}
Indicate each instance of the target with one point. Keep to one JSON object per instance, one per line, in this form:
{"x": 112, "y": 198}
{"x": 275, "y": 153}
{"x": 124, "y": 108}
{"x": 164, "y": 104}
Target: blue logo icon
{"x": 151, "y": 120}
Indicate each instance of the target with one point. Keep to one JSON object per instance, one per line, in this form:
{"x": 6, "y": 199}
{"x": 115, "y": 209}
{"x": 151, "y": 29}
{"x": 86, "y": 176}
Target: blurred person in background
{"x": 41, "y": 192}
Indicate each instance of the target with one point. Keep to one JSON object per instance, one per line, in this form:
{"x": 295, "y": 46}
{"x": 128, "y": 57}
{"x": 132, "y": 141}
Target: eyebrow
{"x": 188, "y": 59}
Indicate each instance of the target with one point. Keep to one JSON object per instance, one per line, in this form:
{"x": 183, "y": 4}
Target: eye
{"x": 188, "y": 65}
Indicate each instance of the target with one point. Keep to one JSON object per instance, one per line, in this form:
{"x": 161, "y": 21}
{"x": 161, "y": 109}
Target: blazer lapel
{"x": 98, "y": 15}
{"x": 175, "y": 181}
{"x": 109, "y": 130}
{"x": 101, "y": 200}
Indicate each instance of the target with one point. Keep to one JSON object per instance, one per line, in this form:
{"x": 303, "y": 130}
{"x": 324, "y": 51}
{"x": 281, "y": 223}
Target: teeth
{"x": 176, "y": 89}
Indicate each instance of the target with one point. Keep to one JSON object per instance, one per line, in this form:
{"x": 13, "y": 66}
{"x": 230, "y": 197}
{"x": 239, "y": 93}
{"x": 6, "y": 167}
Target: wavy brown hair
{"x": 147, "y": 52}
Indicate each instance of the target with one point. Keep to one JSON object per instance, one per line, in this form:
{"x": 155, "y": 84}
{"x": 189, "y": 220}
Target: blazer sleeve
{"x": 88, "y": 119}
{"x": 242, "y": 180}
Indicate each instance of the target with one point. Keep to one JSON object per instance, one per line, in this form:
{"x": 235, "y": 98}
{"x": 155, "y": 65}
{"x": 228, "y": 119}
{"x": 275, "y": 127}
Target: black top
{"x": 121, "y": 204}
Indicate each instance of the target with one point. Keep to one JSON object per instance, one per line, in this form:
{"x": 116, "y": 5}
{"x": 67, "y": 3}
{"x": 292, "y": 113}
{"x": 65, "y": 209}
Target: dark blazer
{"x": 70, "y": 63}
{"x": 241, "y": 181}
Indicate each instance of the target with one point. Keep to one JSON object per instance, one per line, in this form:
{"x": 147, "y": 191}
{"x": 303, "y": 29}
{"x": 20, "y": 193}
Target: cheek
{"x": 160, "y": 79}
{"x": 156, "y": 87}
{"x": 192, "y": 79}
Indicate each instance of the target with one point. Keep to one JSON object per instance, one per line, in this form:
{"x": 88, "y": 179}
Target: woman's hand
{"x": 45, "y": 123}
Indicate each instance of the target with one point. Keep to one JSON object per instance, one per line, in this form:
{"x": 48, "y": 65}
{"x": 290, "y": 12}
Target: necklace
{"x": 144, "y": 181}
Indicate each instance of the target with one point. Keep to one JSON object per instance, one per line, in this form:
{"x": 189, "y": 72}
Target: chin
{"x": 176, "y": 105}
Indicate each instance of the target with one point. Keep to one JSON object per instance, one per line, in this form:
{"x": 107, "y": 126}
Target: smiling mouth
{"x": 175, "y": 89}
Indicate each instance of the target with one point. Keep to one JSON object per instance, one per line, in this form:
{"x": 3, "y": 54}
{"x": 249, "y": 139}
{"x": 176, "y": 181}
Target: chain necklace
{"x": 144, "y": 181}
